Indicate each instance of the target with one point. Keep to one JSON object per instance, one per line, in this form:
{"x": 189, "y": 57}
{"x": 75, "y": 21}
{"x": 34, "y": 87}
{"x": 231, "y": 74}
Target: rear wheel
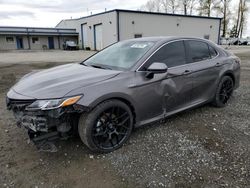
{"x": 106, "y": 127}
{"x": 224, "y": 91}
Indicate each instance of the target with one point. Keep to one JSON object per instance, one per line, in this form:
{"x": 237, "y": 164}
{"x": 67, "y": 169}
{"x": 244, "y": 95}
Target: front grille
{"x": 18, "y": 104}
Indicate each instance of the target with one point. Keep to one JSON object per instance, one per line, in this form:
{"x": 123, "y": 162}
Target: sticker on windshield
{"x": 138, "y": 45}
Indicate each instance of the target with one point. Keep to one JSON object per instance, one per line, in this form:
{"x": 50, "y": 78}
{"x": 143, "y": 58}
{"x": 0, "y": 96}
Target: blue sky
{"x": 47, "y": 13}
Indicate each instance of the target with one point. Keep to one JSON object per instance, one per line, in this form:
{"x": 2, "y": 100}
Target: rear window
{"x": 212, "y": 51}
{"x": 198, "y": 51}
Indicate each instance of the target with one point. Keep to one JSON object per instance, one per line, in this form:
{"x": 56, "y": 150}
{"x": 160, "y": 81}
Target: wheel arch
{"x": 230, "y": 74}
{"x": 121, "y": 97}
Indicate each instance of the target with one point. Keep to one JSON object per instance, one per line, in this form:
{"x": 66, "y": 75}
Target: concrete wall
{"x": 163, "y": 25}
{"x": 4, "y": 45}
{"x": 42, "y": 41}
{"x": 109, "y": 24}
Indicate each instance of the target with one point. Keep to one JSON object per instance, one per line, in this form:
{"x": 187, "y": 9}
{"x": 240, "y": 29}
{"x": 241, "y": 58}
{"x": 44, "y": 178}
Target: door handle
{"x": 187, "y": 72}
{"x": 217, "y": 64}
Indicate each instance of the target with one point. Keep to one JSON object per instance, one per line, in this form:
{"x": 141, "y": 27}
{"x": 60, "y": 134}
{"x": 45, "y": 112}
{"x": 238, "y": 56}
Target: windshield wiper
{"x": 100, "y": 67}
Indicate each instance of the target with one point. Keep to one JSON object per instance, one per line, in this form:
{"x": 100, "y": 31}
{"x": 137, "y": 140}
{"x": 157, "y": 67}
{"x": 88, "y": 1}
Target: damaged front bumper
{"x": 44, "y": 126}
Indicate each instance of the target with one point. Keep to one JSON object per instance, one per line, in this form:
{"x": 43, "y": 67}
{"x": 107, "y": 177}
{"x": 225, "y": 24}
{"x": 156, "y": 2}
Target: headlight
{"x": 53, "y": 103}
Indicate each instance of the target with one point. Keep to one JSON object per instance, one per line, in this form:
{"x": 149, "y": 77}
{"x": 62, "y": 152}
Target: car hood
{"x": 58, "y": 81}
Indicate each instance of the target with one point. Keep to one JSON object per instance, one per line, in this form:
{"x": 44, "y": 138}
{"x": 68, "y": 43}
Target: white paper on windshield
{"x": 137, "y": 45}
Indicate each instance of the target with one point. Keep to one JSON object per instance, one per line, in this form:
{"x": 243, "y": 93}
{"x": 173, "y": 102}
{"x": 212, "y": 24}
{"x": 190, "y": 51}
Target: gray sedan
{"x": 128, "y": 84}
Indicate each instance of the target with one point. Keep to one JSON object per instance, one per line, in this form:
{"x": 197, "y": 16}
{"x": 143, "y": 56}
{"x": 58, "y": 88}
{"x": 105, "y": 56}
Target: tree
{"x": 206, "y": 7}
{"x": 233, "y": 32}
{"x": 185, "y": 4}
{"x": 188, "y": 6}
{"x": 152, "y": 6}
{"x": 165, "y": 5}
{"x": 241, "y": 17}
{"x": 170, "y": 6}
{"x": 173, "y": 6}
{"x": 223, "y": 8}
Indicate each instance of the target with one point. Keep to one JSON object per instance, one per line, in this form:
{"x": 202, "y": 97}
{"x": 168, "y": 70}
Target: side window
{"x": 212, "y": 51}
{"x": 198, "y": 51}
{"x": 172, "y": 54}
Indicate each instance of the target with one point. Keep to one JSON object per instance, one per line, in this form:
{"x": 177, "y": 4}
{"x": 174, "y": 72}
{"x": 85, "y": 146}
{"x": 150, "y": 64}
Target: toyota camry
{"x": 128, "y": 84}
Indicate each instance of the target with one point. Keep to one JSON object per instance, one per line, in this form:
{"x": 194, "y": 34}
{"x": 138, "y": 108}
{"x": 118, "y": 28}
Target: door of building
{"x": 19, "y": 42}
{"x": 51, "y": 42}
{"x": 98, "y": 37}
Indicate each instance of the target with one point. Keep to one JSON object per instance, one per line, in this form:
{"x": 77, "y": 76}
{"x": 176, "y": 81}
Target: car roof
{"x": 159, "y": 40}
{"x": 164, "y": 38}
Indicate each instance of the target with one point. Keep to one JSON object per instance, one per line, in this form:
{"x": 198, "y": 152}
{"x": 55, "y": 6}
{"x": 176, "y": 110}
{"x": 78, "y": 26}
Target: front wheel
{"x": 224, "y": 91}
{"x": 107, "y": 127}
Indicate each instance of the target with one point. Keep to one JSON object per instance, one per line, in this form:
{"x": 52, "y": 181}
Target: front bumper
{"x": 45, "y": 125}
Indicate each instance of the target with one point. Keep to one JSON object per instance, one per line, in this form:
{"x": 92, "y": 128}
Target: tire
{"x": 223, "y": 92}
{"x": 107, "y": 127}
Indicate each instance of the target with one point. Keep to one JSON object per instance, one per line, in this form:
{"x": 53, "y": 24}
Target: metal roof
{"x": 143, "y": 12}
{"x": 9, "y": 30}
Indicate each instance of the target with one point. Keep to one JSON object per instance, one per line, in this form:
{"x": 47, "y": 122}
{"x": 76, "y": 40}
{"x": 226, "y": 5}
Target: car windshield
{"x": 120, "y": 56}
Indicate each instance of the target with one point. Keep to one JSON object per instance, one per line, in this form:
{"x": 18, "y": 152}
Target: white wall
{"x": 109, "y": 27}
{"x": 145, "y": 24}
{"x": 162, "y": 25}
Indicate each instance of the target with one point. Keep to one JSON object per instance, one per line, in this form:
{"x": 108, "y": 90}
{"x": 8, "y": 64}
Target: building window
{"x": 138, "y": 36}
{"x": 35, "y": 40}
{"x": 9, "y": 39}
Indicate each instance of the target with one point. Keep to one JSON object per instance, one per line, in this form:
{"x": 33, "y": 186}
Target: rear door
{"x": 205, "y": 69}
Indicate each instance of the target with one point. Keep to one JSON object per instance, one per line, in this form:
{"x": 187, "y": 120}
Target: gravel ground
{"x": 204, "y": 147}
{"x": 30, "y": 56}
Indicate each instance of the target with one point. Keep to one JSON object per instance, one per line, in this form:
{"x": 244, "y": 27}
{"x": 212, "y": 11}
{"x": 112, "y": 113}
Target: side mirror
{"x": 156, "y": 68}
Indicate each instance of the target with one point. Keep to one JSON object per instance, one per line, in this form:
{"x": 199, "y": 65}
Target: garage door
{"x": 85, "y": 35}
{"x": 98, "y": 37}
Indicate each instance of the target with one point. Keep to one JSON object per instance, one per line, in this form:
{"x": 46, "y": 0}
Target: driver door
{"x": 167, "y": 92}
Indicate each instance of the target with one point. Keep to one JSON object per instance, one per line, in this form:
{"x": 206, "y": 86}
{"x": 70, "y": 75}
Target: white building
{"x": 100, "y": 30}
{"x": 34, "y": 38}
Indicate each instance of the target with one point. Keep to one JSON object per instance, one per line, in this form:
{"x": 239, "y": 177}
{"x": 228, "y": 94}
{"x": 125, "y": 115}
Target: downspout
{"x": 118, "y": 25}
{"x": 28, "y": 37}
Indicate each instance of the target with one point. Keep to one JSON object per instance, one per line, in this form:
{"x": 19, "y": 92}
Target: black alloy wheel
{"x": 111, "y": 128}
{"x": 224, "y": 91}
{"x": 107, "y": 127}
